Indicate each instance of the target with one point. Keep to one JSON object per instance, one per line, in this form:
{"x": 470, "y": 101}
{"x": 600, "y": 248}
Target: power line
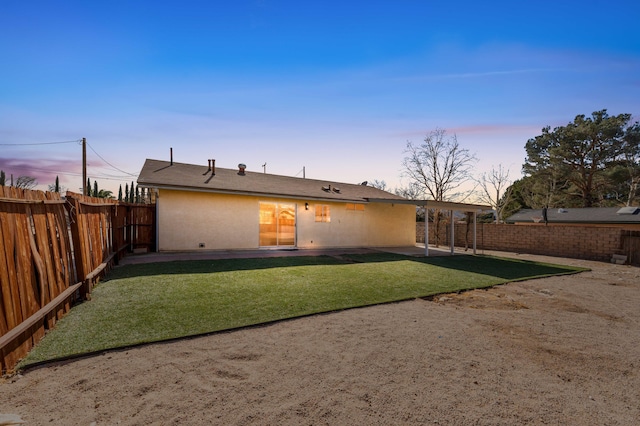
{"x": 78, "y": 141}
{"x": 76, "y": 174}
{"x": 120, "y": 170}
{"x": 40, "y": 143}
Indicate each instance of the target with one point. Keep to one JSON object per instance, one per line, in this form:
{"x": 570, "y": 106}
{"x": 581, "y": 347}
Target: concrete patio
{"x": 416, "y": 251}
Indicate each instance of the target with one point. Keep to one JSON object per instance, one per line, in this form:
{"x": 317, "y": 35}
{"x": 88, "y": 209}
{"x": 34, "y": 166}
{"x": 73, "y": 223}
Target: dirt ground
{"x": 561, "y": 350}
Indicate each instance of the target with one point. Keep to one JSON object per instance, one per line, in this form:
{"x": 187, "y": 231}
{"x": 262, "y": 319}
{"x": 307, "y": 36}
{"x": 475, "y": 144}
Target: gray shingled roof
{"x": 163, "y": 174}
{"x": 578, "y": 215}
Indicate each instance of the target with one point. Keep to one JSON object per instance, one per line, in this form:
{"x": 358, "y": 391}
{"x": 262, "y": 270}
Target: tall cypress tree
{"x": 95, "y": 188}
{"x": 3, "y": 178}
{"x": 57, "y": 187}
{"x": 88, "y": 189}
{"x": 120, "y": 193}
{"x": 131, "y": 194}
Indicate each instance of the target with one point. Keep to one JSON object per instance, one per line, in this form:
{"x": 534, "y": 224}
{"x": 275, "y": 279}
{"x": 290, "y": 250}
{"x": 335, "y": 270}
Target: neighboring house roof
{"x": 180, "y": 176}
{"x": 579, "y": 215}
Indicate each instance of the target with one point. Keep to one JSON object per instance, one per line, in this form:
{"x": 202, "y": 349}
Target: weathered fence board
{"x": 49, "y": 249}
{"x": 28, "y": 281}
{"x": 143, "y": 230}
{"x": 91, "y": 228}
{"x": 631, "y": 246}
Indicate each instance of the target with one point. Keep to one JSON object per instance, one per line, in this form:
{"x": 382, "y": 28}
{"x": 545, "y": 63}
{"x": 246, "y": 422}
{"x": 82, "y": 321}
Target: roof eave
{"x": 447, "y": 205}
{"x": 251, "y": 193}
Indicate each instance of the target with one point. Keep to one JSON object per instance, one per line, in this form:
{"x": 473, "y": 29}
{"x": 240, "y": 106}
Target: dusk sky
{"x": 335, "y": 87}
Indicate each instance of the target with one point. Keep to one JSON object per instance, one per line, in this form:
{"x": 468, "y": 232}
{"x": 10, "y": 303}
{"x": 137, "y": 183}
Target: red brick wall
{"x": 580, "y": 242}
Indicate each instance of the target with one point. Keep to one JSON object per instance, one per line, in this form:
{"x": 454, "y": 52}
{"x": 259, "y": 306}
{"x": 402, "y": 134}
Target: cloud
{"x": 478, "y": 130}
{"x": 44, "y": 170}
{"x": 493, "y": 129}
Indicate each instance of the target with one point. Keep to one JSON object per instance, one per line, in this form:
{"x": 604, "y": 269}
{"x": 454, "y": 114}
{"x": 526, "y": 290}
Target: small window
{"x": 355, "y": 207}
{"x": 323, "y": 213}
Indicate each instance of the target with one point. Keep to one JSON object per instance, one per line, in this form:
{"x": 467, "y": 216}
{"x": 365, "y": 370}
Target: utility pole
{"x": 84, "y": 166}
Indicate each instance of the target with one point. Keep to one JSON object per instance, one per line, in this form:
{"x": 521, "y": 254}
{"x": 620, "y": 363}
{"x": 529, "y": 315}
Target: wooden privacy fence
{"x": 52, "y": 251}
{"x": 36, "y": 268}
{"x": 631, "y": 246}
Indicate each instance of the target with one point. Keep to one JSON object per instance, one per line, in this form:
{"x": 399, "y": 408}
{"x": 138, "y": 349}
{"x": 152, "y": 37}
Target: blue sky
{"x": 335, "y": 87}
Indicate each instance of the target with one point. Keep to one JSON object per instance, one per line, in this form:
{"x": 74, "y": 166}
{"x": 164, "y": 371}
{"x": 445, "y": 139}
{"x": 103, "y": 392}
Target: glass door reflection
{"x": 277, "y": 225}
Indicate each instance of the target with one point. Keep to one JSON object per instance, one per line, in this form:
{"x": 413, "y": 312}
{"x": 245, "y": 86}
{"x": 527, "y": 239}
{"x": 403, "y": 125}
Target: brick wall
{"x": 580, "y": 242}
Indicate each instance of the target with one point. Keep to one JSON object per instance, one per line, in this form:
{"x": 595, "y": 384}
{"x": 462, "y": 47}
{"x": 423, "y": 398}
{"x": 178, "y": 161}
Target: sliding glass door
{"x": 277, "y": 225}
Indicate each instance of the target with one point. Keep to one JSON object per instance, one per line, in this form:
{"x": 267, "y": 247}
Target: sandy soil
{"x": 562, "y": 350}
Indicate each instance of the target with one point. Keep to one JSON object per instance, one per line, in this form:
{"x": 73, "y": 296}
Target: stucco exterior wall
{"x": 188, "y": 219}
{"x": 219, "y": 221}
{"x": 379, "y": 225}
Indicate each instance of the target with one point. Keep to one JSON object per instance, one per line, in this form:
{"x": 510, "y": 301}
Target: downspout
{"x": 426, "y": 231}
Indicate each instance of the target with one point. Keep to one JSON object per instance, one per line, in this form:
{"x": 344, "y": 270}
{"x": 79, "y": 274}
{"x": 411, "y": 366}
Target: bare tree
{"x": 440, "y": 167}
{"x": 380, "y": 184}
{"x": 26, "y": 182}
{"x": 495, "y": 189}
{"x": 631, "y": 161}
{"x": 413, "y": 191}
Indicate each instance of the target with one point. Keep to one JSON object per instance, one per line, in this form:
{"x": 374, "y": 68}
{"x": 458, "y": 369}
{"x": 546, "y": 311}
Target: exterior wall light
{"x": 306, "y": 206}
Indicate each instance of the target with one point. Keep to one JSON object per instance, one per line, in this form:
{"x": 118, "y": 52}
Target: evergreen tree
{"x": 137, "y": 194}
{"x": 120, "y": 193}
{"x": 56, "y": 187}
{"x": 3, "y": 178}
{"x": 131, "y": 194}
{"x": 95, "y": 188}
{"x": 88, "y": 189}
{"x": 126, "y": 192}
{"x": 575, "y": 161}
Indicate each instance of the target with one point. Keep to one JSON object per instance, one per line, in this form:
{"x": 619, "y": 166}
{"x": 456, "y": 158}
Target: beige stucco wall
{"x": 379, "y": 225}
{"x": 219, "y": 221}
{"x": 188, "y": 219}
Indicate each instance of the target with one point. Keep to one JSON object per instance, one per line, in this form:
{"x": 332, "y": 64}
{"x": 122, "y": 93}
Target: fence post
{"x": 73, "y": 208}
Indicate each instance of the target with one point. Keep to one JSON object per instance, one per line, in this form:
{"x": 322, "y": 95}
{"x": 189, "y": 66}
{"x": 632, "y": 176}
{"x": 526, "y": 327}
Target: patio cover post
{"x": 443, "y": 205}
{"x": 453, "y": 232}
{"x": 475, "y": 223}
{"x": 426, "y": 231}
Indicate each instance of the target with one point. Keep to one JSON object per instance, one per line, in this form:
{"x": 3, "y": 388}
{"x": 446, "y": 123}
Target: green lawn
{"x": 153, "y": 302}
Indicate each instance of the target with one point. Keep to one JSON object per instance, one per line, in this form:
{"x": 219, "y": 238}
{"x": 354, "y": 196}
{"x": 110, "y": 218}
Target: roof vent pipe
{"x": 241, "y": 168}
{"x": 208, "y": 168}
{"x": 171, "y": 155}
{"x": 213, "y": 166}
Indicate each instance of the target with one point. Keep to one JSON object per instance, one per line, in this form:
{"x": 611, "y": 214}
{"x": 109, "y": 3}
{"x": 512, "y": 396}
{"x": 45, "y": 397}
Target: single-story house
{"x": 622, "y": 217}
{"x": 202, "y": 207}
